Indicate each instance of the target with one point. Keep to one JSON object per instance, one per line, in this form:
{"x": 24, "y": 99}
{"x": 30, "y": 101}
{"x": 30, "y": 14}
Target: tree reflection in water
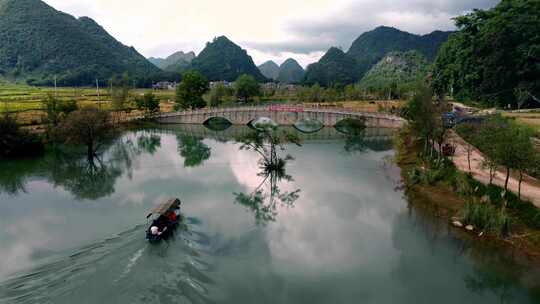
{"x": 193, "y": 150}
{"x": 267, "y": 197}
{"x": 95, "y": 178}
{"x": 149, "y": 143}
{"x": 14, "y": 175}
{"x": 360, "y": 143}
{"x": 84, "y": 178}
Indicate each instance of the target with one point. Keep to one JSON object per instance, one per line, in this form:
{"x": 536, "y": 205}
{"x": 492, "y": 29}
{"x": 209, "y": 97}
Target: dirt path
{"x": 530, "y": 188}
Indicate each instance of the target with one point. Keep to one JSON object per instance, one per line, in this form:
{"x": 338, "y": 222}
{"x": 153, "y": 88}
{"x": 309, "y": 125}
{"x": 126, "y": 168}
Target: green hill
{"x": 39, "y": 43}
{"x": 173, "y": 62}
{"x": 396, "y": 68}
{"x": 334, "y": 68}
{"x": 221, "y": 59}
{"x": 290, "y": 72}
{"x": 370, "y": 48}
{"x": 270, "y": 70}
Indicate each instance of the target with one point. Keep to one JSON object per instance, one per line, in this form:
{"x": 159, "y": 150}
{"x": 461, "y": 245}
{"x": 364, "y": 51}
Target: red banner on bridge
{"x": 286, "y": 108}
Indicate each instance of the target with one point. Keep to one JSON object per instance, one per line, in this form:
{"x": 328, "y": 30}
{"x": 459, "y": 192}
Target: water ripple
{"x": 118, "y": 266}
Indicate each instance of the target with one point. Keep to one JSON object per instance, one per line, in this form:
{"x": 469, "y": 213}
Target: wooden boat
{"x": 163, "y": 221}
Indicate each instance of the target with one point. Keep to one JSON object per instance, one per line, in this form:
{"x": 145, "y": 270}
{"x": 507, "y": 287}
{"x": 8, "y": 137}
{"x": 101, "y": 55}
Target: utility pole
{"x": 55, "y": 91}
{"x": 98, "y": 97}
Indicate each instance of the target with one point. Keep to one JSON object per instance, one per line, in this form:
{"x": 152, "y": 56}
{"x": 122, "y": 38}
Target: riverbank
{"x": 441, "y": 197}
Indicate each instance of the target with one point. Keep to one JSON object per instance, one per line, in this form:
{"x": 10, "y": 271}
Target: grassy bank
{"x": 454, "y": 196}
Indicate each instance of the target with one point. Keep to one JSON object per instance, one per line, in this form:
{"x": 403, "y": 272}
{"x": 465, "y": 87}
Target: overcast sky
{"x": 269, "y": 30}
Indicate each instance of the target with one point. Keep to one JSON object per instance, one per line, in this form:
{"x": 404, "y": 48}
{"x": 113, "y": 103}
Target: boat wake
{"x": 121, "y": 269}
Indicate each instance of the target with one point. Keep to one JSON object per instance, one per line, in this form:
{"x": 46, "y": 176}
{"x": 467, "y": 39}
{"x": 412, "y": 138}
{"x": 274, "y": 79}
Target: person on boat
{"x": 161, "y": 222}
{"x": 173, "y": 217}
{"x": 154, "y": 230}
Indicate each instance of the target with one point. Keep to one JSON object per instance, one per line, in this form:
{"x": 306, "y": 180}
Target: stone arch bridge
{"x": 285, "y": 115}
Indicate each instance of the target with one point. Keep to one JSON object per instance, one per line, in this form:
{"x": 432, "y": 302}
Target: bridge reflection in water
{"x": 370, "y": 137}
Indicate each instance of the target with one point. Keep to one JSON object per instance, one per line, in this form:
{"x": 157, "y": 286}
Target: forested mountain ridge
{"x": 290, "y": 71}
{"x": 222, "y": 59}
{"x": 39, "y": 43}
{"x": 270, "y": 70}
{"x": 370, "y": 47}
{"x": 177, "y": 59}
{"x": 334, "y": 68}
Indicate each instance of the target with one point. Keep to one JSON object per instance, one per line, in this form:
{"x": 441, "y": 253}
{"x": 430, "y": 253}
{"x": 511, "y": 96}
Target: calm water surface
{"x": 332, "y": 227}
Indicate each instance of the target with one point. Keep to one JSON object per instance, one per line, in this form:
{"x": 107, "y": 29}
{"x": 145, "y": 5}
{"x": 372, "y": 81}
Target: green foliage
{"x": 396, "y": 75}
{"x": 503, "y": 143}
{"x": 246, "y": 87}
{"x": 88, "y": 126}
{"x": 432, "y": 173}
{"x": 15, "y": 142}
{"x": 148, "y": 103}
{"x": 218, "y": 94}
{"x": 119, "y": 91}
{"x": 189, "y": 94}
{"x": 39, "y": 43}
{"x": 290, "y": 72}
{"x": 56, "y": 109}
{"x": 420, "y": 113}
{"x": 223, "y": 60}
{"x": 494, "y": 58}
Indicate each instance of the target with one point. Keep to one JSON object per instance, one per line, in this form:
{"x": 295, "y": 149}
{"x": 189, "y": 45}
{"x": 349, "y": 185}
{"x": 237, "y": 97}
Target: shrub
{"x": 15, "y": 142}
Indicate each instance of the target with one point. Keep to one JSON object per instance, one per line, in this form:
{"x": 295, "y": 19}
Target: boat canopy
{"x": 167, "y": 206}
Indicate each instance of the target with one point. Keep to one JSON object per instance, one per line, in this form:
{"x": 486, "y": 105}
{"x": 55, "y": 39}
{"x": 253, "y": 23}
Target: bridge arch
{"x": 351, "y": 125}
{"x": 308, "y": 125}
{"x": 260, "y": 123}
{"x": 217, "y": 123}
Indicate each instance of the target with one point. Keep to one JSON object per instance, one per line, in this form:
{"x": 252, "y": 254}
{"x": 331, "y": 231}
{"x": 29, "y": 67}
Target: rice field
{"x": 25, "y": 102}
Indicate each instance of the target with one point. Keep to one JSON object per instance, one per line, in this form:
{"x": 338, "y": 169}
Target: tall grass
{"x": 486, "y": 217}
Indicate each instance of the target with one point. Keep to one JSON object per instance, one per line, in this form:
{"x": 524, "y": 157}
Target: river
{"x": 331, "y": 225}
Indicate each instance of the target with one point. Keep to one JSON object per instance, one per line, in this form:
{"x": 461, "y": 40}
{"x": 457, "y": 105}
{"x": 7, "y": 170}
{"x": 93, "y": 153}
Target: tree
{"x": 218, "y": 94}
{"x": 468, "y": 129}
{"x": 507, "y": 144}
{"x": 88, "y": 126}
{"x": 421, "y": 114}
{"x": 55, "y": 111}
{"x": 148, "y": 103}
{"x": 119, "y": 91}
{"x": 189, "y": 94}
{"x": 495, "y": 56}
{"x": 246, "y": 87}
{"x": 527, "y": 158}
